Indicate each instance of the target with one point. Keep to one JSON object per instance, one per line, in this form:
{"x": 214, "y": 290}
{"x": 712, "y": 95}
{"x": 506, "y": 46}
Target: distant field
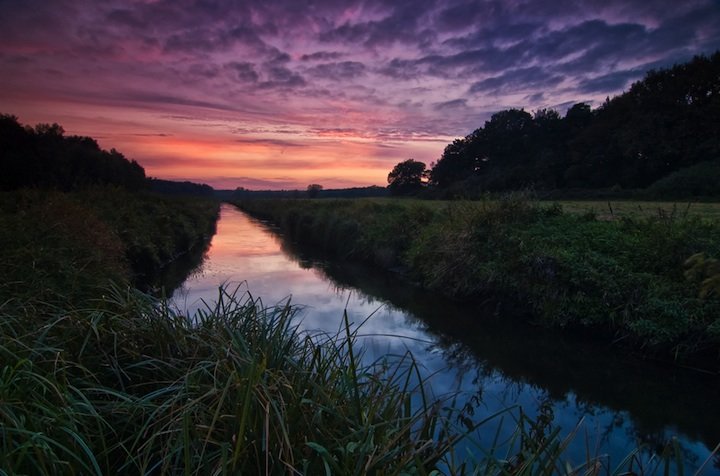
{"x": 604, "y": 209}
{"x": 630, "y": 208}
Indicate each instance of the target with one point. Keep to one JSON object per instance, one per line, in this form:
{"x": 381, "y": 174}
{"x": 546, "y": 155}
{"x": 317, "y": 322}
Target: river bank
{"x": 622, "y": 280}
{"x": 100, "y": 378}
{"x": 61, "y": 244}
{"x": 109, "y": 380}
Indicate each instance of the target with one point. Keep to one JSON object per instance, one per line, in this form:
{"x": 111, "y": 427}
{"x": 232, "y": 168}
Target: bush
{"x": 697, "y": 181}
{"x": 621, "y": 279}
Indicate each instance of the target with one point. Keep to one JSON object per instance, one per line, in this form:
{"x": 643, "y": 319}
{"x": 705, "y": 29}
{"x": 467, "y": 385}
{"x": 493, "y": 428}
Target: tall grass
{"x": 57, "y": 245}
{"x": 132, "y": 387}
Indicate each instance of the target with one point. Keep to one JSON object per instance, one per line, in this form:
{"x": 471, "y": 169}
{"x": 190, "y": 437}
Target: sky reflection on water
{"x": 502, "y": 366}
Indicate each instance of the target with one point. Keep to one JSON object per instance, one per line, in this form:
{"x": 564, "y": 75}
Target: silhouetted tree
{"x": 313, "y": 190}
{"x": 407, "y": 177}
{"x": 44, "y": 157}
{"x": 170, "y": 187}
{"x": 666, "y": 122}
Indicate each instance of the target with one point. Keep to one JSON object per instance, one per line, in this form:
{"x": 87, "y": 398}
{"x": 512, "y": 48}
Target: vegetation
{"x": 44, "y": 157}
{"x": 62, "y": 244}
{"x": 100, "y": 378}
{"x": 169, "y": 187}
{"x": 129, "y": 386}
{"x": 622, "y": 279}
{"x": 241, "y": 193}
{"x": 663, "y": 124}
{"x": 407, "y": 177}
{"x": 697, "y": 181}
{"x": 313, "y": 190}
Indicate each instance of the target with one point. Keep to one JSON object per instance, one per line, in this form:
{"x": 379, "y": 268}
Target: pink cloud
{"x": 322, "y": 91}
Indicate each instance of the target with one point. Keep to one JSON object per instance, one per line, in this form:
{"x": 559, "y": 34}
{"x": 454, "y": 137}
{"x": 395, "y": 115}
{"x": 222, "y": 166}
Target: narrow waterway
{"x": 489, "y": 360}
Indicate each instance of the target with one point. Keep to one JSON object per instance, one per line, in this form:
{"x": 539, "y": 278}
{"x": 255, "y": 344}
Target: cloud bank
{"x": 232, "y": 84}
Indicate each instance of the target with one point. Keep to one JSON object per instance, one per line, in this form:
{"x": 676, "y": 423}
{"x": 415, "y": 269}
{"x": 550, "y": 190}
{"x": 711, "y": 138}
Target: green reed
{"x": 131, "y": 386}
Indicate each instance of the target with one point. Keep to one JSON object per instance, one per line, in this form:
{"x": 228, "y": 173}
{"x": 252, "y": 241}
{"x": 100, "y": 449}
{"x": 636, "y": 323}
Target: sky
{"x": 278, "y": 94}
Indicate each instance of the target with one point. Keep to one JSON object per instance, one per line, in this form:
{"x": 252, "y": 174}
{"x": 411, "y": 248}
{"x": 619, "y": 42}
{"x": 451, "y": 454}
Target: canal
{"x": 477, "y": 356}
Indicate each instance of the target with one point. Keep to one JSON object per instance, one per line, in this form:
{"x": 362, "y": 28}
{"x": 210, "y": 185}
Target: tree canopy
{"x": 44, "y": 157}
{"x": 406, "y": 177}
{"x": 663, "y": 123}
{"x": 313, "y": 190}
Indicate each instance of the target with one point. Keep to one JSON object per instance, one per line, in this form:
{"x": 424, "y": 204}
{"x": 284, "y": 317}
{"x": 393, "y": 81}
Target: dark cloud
{"x": 127, "y": 18}
{"x": 157, "y": 99}
{"x": 321, "y": 56}
{"x": 244, "y": 72}
{"x": 338, "y": 71}
{"x": 460, "y": 16}
{"x": 203, "y": 70}
{"x": 281, "y": 77}
{"x": 197, "y": 40}
{"x": 271, "y": 142}
{"x": 517, "y": 80}
{"x": 608, "y": 83}
{"x": 401, "y": 25}
{"x": 454, "y": 104}
{"x": 535, "y": 98}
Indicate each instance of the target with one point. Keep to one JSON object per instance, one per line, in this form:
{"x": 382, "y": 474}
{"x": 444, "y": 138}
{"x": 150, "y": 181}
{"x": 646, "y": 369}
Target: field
{"x": 603, "y": 209}
{"x": 643, "y": 209}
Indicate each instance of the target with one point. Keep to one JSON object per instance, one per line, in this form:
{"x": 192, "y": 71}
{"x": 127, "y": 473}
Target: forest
{"x": 660, "y": 136}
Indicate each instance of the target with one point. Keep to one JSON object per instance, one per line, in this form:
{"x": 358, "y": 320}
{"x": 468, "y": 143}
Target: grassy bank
{"x": 130, "y": 387}
{"x": 624, "y": 279}
{"x": 62, "y": 244}
{"x": 103, "y": 379}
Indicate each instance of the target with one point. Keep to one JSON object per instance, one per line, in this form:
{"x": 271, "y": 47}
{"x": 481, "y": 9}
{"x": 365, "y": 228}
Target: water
{"x": 615, "y": 401}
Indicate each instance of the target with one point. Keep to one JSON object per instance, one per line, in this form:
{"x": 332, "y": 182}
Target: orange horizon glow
{"x": 277, "y": 95}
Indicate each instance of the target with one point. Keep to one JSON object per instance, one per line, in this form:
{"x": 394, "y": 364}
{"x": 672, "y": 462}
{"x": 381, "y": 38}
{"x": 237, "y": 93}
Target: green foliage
{"x": 154, "y": 229}
{"x": 170, "y": 187}
{"x": 54, "y": 245}
{"x": 313, "y": 190}
{"x": 705, "y": 272}
{"x": 111, "y": 381}
{"x": 368, "y": 230}
{"x": 132, "y": 387}
{"x": 699, "y": 180}
{"x": 621, "y": 278}
{"x": 406, "y": 177}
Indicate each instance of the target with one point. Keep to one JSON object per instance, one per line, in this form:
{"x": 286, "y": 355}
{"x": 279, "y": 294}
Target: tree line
{"x": 667, "y": 122}
{"x": 44, "y": 157}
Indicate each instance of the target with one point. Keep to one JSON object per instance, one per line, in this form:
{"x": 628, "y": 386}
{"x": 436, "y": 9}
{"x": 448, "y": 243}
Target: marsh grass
{"x": 132, "y": 387}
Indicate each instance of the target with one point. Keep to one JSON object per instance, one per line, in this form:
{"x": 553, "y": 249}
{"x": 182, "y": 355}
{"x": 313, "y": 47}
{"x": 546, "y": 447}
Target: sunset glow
{"x": 279, "y": 94}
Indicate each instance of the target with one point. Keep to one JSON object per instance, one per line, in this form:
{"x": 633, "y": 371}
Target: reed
{"x": 131, "y": 386}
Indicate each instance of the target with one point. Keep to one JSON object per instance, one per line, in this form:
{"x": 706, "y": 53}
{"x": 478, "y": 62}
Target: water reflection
{"x": 492, "y": 359}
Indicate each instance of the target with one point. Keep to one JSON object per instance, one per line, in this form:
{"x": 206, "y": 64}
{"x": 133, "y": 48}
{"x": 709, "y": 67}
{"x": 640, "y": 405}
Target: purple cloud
{"x": 359, "y": 71}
